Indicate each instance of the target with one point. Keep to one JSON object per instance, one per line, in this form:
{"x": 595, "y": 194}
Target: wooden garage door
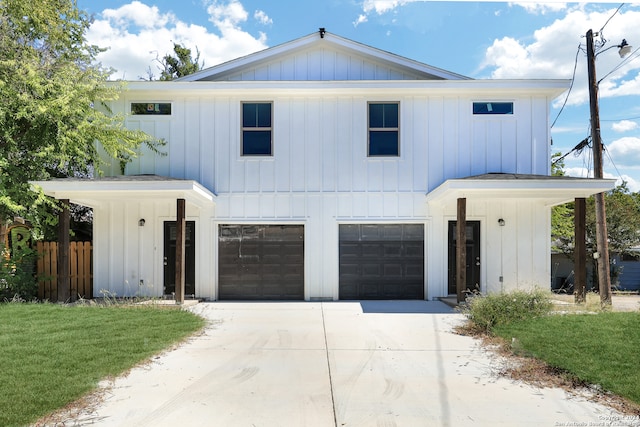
{"x": 261, "y": 262}
{"x": 381, "y": 261}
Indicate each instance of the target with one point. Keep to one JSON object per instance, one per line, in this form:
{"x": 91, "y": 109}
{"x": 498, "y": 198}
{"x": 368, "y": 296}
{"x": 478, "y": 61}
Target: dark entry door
{"x": 381, "y": 261}
{"x": 170, "y": 231}
{"x": 261, "y": 262}
{"x": 473, "y": 256}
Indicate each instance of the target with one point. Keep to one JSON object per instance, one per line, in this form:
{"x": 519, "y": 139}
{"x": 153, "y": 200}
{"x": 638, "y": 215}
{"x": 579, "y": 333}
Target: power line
{"x": 573, "y": 78}
{"x": 614, "y": 14}
{"x": 621, "y": 64}
{"x": 614, "y": 165}
{"x": 619, "y": 120}
{"x": 578, "y": 149}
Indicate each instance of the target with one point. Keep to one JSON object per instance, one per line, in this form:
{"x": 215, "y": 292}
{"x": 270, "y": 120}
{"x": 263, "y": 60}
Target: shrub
{"x": 17, "y": 274}
{"x": 491, "y": 310}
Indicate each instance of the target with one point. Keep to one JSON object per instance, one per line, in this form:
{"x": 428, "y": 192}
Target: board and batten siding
{"x": 321, "y": 65}
{"x": 129, "y": 258}
{"x": 320, "y": 144}
{"x": 320, "y": 176}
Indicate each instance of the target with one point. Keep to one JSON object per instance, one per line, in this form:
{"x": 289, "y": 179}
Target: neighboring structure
{"x": 625, "y": 273}
{"x": 324, "y": 169}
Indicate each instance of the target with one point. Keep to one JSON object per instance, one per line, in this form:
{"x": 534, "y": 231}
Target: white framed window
{"x": 384, "y": 129}
{"x": 492, "y": 108}
{"x": 257, "y": 129}
{"x": 151, "y": 108}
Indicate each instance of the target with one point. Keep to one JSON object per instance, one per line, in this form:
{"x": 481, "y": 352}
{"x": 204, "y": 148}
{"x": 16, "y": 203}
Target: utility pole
{"x": 602, "y": 244}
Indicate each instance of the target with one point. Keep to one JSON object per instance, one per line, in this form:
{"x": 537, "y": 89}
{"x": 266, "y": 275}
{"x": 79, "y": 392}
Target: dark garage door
{"x": 381, "y": 261}
{"x": 261, "y": 262}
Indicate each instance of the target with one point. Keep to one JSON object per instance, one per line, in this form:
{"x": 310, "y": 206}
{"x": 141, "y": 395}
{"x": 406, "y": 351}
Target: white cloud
{"x": 383, "y": 6}
{"x": 625, "y": 151}
{"x": 581, "y": 172}
{"x": 262, "y": 17}
{"x": 136, "y": 34}
{"x": 541, "y": 8}
{"x": 632, "y": 184}
{"x": 578, "y": 172}
{"x": 227, "y": 16}
{"x": 624, "y": 126}
{"x": 552, "y": 52}
{"x": 361, "y": 18}
{"x": 138, "y": 14}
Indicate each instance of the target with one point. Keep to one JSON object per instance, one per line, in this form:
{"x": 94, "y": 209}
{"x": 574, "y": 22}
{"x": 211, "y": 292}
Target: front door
{"x": 170, "y": 231}
{"x": 473, "y": 256}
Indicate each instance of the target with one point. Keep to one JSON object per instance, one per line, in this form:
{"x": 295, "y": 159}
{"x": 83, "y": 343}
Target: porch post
{"x": 580, "y": 250}
{"x": 180, "y": 251}
{"x": 64, "y": 288}
{"x": 461, "y": 248}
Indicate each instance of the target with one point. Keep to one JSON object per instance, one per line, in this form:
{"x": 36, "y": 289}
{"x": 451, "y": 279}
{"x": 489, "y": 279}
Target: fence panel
{"x": 81, "y": 277}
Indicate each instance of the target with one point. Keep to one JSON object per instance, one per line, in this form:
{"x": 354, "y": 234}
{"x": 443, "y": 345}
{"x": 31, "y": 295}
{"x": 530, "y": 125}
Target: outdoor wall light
{"x": 501, "y": 222}
{"x": 141, "y": 222}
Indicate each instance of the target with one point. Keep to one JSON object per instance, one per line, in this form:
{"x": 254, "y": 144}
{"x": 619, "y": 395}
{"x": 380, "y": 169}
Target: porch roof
{"x": 553, "y": 190}
{"x": 92, "y": 192}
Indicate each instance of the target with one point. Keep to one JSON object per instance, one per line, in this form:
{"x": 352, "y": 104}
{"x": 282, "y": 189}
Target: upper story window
{"x": 257, "y": 129}
{"x": 384, "y": 132}
{"x": 493, "y": 108}
{"x": 151, "y": 108}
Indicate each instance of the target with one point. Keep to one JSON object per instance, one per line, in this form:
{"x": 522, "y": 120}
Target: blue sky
{"x": 476, "y": 39}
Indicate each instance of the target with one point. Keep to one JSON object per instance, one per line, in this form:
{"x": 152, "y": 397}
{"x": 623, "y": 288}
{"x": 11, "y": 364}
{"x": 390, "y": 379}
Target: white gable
{"x": 322, "y": 58}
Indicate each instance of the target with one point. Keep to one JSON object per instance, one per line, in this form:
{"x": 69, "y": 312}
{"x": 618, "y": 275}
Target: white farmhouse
{"x": 324, "y": 169}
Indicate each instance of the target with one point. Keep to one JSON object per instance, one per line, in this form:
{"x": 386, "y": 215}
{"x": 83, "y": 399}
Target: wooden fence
{"x": 81, "y": 277}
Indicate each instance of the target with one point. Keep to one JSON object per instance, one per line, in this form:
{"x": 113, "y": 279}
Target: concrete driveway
{"x": 331, "y": 364}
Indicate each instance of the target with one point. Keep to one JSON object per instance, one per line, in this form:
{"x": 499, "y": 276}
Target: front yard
{"x": 52, "y": 354}
{"x": 598, "y": 349}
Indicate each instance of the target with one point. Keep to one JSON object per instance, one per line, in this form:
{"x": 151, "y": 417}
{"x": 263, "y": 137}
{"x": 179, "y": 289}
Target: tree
{"x": 53, "y": 115}
{"x": 562, "y": 227}
{"x": 623, "y": 221}
{"x": 180, "y": 65}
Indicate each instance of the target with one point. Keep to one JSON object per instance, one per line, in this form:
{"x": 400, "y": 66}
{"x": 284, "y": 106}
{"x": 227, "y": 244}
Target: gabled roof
{"x": 322, "y": 56}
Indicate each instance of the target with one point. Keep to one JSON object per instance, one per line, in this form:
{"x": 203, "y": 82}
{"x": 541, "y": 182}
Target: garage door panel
{"x": 261, "y": 262}
{"x": 392, "y": 250}
{"x": 371, "y": 270}
{"x": 381, "y": 261}
{"x": 392, "y": 271}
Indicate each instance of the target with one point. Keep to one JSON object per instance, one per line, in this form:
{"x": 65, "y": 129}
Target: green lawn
{"x": 602, "y": 349}
{"x": 50, "y": 355}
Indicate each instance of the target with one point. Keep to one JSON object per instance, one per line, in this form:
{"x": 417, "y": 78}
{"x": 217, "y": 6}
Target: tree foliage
{"x": 53, "y": 115}
{"x": 562, "y": 228}
{"x": 180, "y": 64}
{"x": 623, "y": 221}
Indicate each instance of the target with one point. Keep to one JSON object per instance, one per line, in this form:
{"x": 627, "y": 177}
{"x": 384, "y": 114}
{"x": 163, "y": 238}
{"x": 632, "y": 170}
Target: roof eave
{"x": 94, "y": 192}
{"x": 551, "y": 191}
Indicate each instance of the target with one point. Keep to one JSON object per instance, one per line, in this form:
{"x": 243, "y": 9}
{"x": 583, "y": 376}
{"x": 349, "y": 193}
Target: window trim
{"x": 244, "y": 129}
{"x": 382, "y": 129}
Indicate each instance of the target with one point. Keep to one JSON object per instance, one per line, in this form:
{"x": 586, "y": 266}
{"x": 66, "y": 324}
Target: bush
{"x": 17, "y": 274}
{"x": 491, "y": 310}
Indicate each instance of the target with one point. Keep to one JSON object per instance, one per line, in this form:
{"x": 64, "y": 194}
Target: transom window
{"x": 383, "y": 129}
{"x": 493, "y": 108}
{"x": 151, "y": 108}
{"x": 256, "y": 129}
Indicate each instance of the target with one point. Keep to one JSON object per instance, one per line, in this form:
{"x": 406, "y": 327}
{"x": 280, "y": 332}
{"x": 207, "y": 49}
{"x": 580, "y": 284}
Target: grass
{"x": 599, "y": 349}
{"x": 51, "y": 355}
